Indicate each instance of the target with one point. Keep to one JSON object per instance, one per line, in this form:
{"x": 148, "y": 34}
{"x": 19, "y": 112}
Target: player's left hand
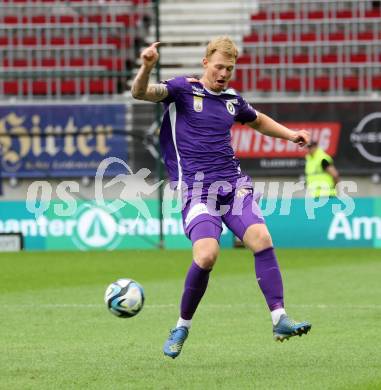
{"x": 302, "y": 137}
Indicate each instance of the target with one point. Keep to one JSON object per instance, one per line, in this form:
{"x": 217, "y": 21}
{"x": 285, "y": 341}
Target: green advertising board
{"x": 332, "y": 225}
{"x": 377, "y": 214}
{"x": 89, "y": 226}
{"x": 292, "y": 223}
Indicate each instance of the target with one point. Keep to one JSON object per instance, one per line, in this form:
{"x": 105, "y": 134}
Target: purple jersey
{"x": 195, "y": 134}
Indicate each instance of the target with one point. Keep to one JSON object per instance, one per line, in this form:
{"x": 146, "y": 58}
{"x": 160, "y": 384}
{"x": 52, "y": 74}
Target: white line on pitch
{"x": 170, "y": 305}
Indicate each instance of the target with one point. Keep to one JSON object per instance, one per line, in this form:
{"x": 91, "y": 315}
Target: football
{"x": 124, "y": 298}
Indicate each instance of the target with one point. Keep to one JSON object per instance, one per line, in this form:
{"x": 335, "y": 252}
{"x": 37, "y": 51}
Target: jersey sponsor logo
{"x": 230, "y": 107}
{"x": 197, "y": 103}
{"x": 198, "y": 91}
{"x": 251, "y": 144}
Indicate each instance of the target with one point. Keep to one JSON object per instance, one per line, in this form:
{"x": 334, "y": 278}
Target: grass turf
{"x": 57, "y": 334}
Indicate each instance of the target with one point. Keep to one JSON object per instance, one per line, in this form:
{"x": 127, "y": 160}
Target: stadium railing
{"x": 312, "y": 47}
{"x": 97, "y": 37}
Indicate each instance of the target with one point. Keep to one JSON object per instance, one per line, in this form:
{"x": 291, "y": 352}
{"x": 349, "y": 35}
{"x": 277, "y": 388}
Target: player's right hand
{"x": 150, "y": 55}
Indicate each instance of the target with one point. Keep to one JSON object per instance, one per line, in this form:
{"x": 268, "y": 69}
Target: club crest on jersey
{"x": 230, "y": 107}
{"x": 197, "y": 103}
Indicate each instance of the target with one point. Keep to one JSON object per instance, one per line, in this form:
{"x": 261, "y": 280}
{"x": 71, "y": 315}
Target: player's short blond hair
{"x": 224, "y": 45}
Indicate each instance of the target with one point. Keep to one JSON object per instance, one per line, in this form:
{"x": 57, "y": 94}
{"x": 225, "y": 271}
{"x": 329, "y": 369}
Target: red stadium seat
{"x": 11, "y": 19}
{"x": 86, "y": 40}
{"x": 308, "y": 37}
{"x": 259, "y": 16}
{"x": 67, "y": 87}
{"x": 365, "y": 36}
{"x": 264, "y": 84}
{"x": 109, "y": 63}
{"x": 39, "y": 87}
{"x": 376, "y": 82}
{"x": 29, "y": 41}
{"x": 76, "y": 61}
{"x": 11, "y": 88}
{"x": 279, "y": 37}
{"x": 322, "y": 83}
{"x": 287, "y": 15}
{"x": 344, "y": 14}
{"x": 336, "y": 36}
{"x": 20, "y": 63}
{"x": 126, "y": 19}
{"x": 48, "y": 62}
{"x": 271, "y": 59}
{"x": 4, "y": 40}
{"x": 96, "y": 18}
{"x": 373, "y": 13}
{"x": 66, "y": 19}
{"x": 351, "y": 83}
{"x": 329, "y": 58}
{"x": 358, "y": 57}
{"x": 38, "y": 19}
{"x": 101, "y": 86}
{"x": 293, "y": 84}
{"x": 253, "y": 37}
{"x": 114, "y": 41}
{"x": 57, "y": 41}
{"x": 236, "y": 84}
{"x": 244, "y": 59}
{"x": 318, "y": 14}
{"x": 300, "y": 59}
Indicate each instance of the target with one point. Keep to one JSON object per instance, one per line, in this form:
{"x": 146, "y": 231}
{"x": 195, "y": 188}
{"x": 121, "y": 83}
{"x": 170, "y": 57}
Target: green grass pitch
{"x": 56, "y": 333}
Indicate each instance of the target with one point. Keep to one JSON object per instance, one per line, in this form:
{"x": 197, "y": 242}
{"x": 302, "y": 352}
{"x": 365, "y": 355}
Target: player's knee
{"x": 257, "y": 238}
{"x": 206, "y": 259}
{"x": 263, "y": 241}
{"x": 205, "y": 252}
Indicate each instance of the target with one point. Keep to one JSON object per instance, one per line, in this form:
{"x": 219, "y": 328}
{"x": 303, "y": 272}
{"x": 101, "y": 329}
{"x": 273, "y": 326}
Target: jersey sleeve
{"x": 246, "y": 113}
{"x": 174, "y": 87}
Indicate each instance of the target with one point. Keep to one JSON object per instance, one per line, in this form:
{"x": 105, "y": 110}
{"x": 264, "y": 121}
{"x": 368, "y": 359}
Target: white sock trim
{"x": 275, "y": 315}
{"x": 182, "y": 322}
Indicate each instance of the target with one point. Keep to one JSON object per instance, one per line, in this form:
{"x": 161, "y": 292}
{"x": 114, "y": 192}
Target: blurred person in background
{"x": 321, "y": 174}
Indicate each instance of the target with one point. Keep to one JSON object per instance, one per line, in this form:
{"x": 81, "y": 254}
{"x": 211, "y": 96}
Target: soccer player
{"x": 196, "y": 146}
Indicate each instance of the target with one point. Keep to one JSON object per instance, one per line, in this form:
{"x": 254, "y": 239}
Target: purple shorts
{"x": 204, "y": 213}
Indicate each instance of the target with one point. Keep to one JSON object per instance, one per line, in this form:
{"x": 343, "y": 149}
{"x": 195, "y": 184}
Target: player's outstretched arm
{"x": 141, "y": 89}
{"x": 267, "y": 126}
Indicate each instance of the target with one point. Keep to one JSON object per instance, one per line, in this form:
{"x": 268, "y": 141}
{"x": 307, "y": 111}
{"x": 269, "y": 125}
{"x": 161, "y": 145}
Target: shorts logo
{"x": 230, "y": 107}
{"x": 197, "y": 103}
{"x": 242, "y": 192}
{"x": 195, "y": 211}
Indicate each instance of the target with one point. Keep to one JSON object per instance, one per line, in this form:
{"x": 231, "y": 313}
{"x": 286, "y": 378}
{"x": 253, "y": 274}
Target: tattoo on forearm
{"x": 159, "y": 90}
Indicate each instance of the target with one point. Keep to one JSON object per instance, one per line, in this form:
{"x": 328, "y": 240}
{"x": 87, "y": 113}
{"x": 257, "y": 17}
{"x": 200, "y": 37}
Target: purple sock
{"x": 194, "y": 288}
{"x": 269, "y": 278}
